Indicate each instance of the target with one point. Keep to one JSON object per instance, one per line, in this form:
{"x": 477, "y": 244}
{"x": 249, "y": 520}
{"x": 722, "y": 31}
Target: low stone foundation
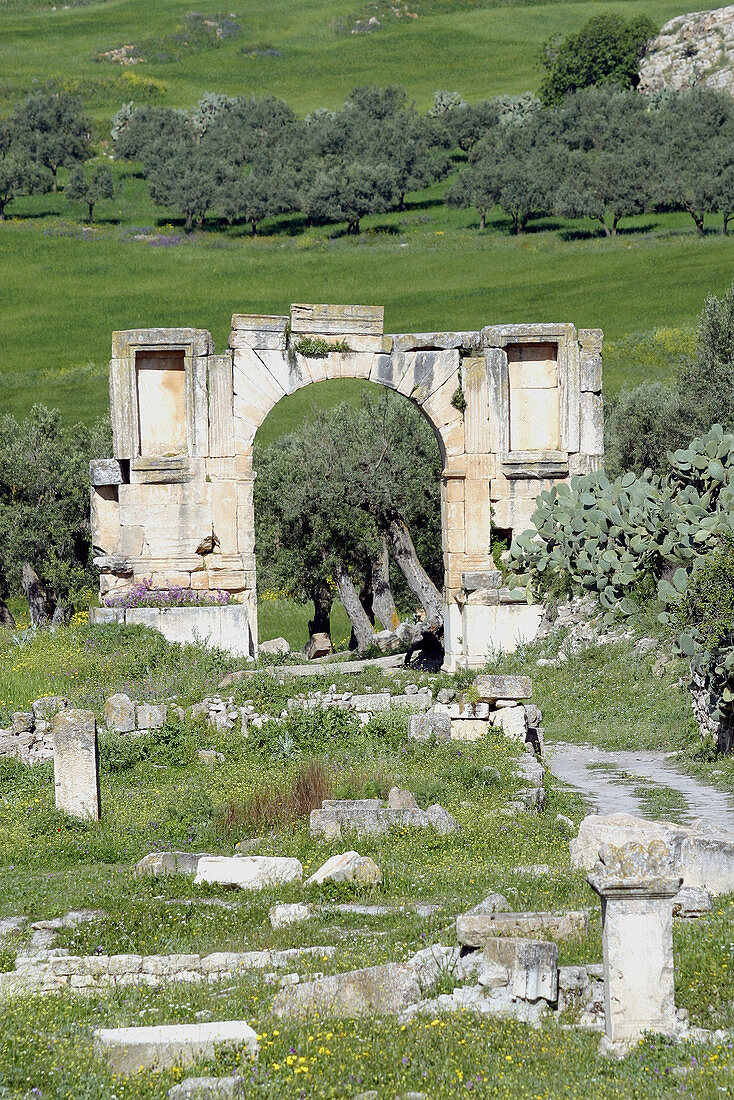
{"x": 82, "y": 974}
{"x": 225, "y": 627}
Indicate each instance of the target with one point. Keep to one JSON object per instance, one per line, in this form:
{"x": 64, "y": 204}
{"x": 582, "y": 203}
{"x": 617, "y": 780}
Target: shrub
{"x": 606, "y": 50}
{"x": 641, "y": 426}
{"x": 171, "y": 745}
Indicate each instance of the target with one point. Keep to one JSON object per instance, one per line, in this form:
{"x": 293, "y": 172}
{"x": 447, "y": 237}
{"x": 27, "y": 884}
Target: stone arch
{"x": 513, "y": 407}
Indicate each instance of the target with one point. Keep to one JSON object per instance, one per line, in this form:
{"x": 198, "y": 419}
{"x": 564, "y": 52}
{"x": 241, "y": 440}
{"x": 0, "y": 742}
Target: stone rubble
{"x": 371, "y": 817}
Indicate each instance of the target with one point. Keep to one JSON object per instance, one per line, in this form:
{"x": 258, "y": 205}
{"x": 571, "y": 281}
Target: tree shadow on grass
{"x": 597, "y": 233}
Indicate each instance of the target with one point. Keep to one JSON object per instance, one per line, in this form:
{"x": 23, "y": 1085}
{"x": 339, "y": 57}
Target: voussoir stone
{"x": 375, "y": 991}
{"x": 347, "y": 867}
{"x": 248, "y": 872}
{"x": 129, "y": 1049}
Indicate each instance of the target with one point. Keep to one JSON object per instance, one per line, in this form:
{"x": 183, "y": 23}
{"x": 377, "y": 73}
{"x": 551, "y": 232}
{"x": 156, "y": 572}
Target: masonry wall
{"x": 176, "y": 502}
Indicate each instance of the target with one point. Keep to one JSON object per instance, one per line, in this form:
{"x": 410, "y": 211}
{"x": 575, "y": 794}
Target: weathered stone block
{"x": 106, "y": 471}
{"x": 492, "y": 688}
{"x": 248, "y": 872}
{"x": 76, "y": 764}
{"x": 129, "y": 1049}
{"x": 119, "y": 713}
{"x": 531, "y": 965}
{"x": 378, "y": 991}
{"x": 430, "y": 726}
{"x": 347, "y": 867}
{"x": 168, "y": 863}
{"x": 151, "y": 716}
{"x": 474, "y": 929}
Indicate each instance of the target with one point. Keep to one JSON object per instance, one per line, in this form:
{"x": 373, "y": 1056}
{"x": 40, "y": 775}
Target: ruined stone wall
{"x": 176, "y": 502}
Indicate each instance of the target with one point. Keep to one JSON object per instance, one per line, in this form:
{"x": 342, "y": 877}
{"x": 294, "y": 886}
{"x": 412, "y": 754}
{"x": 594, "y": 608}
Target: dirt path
{"x": 611, "y": 782}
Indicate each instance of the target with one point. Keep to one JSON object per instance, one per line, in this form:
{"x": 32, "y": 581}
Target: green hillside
{"x": 291, "y": 49}
{"x": 64, "y": 288}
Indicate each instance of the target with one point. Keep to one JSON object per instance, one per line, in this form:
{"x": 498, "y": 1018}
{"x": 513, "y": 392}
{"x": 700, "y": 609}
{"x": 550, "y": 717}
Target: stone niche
{"x": 161, "y": 393}
{"x": 176, "y": 501}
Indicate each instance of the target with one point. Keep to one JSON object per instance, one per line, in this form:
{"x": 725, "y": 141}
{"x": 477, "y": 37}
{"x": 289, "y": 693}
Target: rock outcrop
{"x": 693, "y": 49}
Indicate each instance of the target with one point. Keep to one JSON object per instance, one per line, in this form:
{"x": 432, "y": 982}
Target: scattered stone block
{"x": 429, "y": 726}
{"x": 692, "y": 901}
{"x": 129, "y": 1049}
{"x": 151, "y": 716}
{"x": 21, "y": 722}
{"x": 493, "y": 903}
{"x": 76, "y": 764}
{"x": 169, "y": 863}
{"x": 119, "y": 713}
{"x": 274, "y": 647}
{"x": 210, "y": 756}
{"x": 530, "y": 966}
{"x": 398, "y": 799}
{"x": 283, "y": 915}
{"x": 474, "y": 929}
{"x": 375, "y": 991}
{"x": 48, "y": 707}
{"x": 347, "y": 867}
{"x": 248, "y": 872}
{"x": 370, "y": 817}
{"x": 208, "y": 1088}
{"x": 318, "y": 645}
{"x": 492, "y": 688}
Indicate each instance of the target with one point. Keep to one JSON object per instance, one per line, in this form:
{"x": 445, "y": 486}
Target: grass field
{"x": 63, "y": 291}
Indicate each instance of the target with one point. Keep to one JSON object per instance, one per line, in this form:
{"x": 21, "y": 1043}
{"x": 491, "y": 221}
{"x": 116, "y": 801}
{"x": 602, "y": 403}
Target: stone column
{"x": 76, "y": 764}
{"x": 636, "y": 884}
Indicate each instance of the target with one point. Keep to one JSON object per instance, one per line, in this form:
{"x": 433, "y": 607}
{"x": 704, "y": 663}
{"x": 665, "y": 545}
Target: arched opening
{"x": 348, "y": 533}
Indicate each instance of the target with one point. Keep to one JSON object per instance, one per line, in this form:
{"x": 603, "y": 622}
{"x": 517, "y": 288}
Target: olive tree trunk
{"x": 6, "y": 617}
{"x": 419, "y": 583}
{"x": 361, "y": 625}
{"x": 382, "y": 599}
{"x": 41, "y": 602}
{"x": 322, "y": 602}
